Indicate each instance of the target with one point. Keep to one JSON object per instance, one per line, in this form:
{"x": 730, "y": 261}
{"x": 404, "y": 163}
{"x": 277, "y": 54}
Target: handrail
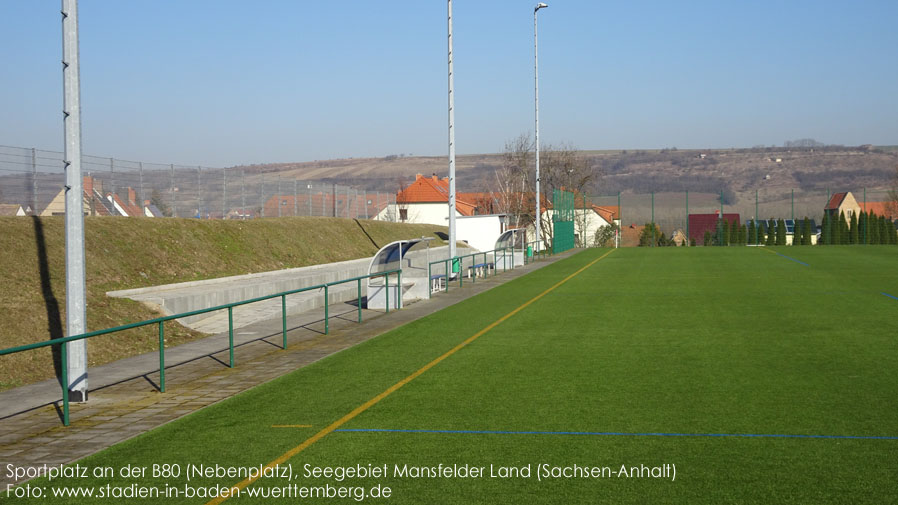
{"x": 473, "y": 256}
{"x": 162, "y": 320}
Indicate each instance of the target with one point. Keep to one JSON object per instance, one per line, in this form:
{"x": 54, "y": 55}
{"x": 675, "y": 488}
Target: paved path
{"x": 125, "y": 400}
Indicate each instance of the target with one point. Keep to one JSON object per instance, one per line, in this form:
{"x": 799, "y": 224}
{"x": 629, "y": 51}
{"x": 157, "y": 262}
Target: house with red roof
{"x": 426, "y": 200}
{"x": 846, "y": 204}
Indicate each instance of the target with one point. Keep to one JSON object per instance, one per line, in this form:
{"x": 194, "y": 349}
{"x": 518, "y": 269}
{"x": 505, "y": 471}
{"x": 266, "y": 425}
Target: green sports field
{"x": 668, "y": 375}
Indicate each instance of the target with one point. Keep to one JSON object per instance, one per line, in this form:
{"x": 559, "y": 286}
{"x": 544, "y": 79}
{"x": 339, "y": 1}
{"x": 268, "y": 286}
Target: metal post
{"x": 243, "y": 194}
{"x": 224, "y": 193}
{"x": 359, "y": 297}
{"x": 326, "y": 312}
{"x": 171, "y": 188}
{"x": 536, "y": 120}
{"x": 757, "y": 223}
{"x": 34, "y": 211}
{"x": 279, "y": 195}
{"x": 387, "y": 288}
{"x": 687, "y": 218}
{"x": 310, "y": 198}
{"x": 161, "y": 356}
{"x": 452, "y": 231}
{"x": 76, "y": 310}
{"x": 720, "y": 222}
{"x": 112, "y": 178}
{"x": 142, "y": 192}
{"x": 793, "y": 212}
{"x": 653, "y": 219}
{"x": 199, "y": 192}
{"x": 399, "y": 289}
{"x": 262, "y": 195}
{"x": 334, "y": 199}
{"x": 620, "y": 217}
{"x": 295, "y": 196}
{"x": 866, "y": 218}
{"x": 63, "y": 359}
{"x": 231, "y": 335}
{"x": 284, "y": 319}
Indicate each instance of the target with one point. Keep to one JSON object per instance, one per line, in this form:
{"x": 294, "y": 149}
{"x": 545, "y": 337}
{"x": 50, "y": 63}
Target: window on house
{"x": 403, "y": 214}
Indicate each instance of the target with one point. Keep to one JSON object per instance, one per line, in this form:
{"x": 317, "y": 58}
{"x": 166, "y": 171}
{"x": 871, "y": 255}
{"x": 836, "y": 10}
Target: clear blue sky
{"x": 226, "y": 82}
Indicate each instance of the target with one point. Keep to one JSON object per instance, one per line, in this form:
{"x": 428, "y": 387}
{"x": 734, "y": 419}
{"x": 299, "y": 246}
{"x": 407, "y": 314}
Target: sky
{"x": 221, "y": 83}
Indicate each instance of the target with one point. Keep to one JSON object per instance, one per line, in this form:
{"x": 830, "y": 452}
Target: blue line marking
{"x": 793, "y": 259}
{"x": 890, "y": 296}
{"x": 613, "y": 433}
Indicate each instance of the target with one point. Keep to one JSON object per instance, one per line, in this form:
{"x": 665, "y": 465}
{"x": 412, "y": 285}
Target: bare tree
{"x": 565, "y": 167}
{"x": 512, "y": 180}
{"x": 893, "y": 194}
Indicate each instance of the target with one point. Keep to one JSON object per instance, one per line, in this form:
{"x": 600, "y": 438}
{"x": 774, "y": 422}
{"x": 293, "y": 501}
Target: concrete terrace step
{"x": 197, "y": 295}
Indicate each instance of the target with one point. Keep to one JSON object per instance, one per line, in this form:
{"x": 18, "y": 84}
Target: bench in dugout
{"x": 480, "y": 269}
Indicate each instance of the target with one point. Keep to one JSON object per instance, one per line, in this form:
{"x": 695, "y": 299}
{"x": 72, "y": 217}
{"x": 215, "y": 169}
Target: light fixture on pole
{"x": 536, "y": 126}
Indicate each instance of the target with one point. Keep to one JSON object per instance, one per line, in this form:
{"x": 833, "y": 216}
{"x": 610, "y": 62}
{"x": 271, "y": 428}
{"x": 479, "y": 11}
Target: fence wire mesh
{"x": 33, "y": 180}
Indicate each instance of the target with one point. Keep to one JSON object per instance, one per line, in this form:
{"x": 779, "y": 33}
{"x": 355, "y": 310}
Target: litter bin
{"x": 529, "y": 251}
{"x": 456, "y": 265}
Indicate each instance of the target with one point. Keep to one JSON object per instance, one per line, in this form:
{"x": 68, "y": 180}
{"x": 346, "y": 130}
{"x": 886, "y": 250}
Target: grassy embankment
{"x": 129, "y": 253}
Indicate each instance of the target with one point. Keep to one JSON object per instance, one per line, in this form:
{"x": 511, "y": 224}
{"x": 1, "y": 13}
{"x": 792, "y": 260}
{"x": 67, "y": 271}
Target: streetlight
{"x": 536, "y": 106}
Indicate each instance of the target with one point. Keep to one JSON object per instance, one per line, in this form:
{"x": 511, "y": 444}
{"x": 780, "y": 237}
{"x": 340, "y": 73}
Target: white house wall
{"x": 480, "y": 232}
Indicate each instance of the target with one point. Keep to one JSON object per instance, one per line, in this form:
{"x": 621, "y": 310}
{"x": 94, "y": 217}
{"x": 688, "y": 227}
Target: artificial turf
{"x": 762, "y": 375}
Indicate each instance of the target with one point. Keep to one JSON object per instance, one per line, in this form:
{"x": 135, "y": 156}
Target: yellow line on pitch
{"x": 283, "y": 458}
{"x": 291, "y": 425}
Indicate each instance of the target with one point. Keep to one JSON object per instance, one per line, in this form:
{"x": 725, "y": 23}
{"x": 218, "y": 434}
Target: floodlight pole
{"x": 452, "y": 249}
{"x": 76, "y": 311}
{"x": 536, "y": 117}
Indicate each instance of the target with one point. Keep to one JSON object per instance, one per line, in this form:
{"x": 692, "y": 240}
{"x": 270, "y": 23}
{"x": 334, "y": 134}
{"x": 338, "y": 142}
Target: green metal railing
{"x": 160, "y": 321}
{"x": 507, "y": 262}
{"x": 538, "y": 251}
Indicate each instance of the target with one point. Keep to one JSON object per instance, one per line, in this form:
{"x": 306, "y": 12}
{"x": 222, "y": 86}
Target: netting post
{"x": 161, "y": 357}
{"x": 231, "y": 335}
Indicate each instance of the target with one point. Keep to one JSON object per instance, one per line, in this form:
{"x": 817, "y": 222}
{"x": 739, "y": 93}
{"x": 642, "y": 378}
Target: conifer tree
{"x": 886, "y": 226}
{"x": 707, "y": 238}
{"x": 853, "y": 234}
{"x": 797, "y": 232}
{"x": 781, "y": 232}
{"x": 743, "y": 234}
{"x": 874, "y": 228}
{"x": 824, "y": 229}
{"x": 734, "y": 233}
{"x": 725, "y": 236}
{"x": 752, "y": 232}
{"x": 806, "y": 232}
{"x": 771, "y": 232}
{"x": 862, "y": 229}
{"x": 761, "y": 238}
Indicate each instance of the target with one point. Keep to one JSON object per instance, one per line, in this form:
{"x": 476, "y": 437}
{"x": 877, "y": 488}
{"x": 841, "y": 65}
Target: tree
{"x": 853, "y": 231}
{"x": 725, "y": 235}
{"x": 781, "y": 232}
{"x": 647, "y": 237}
{"x": 752, "y": 232}
{"x": 512, "y": 181}
{"x": 762, "y": 237}
{"x": 892, "y": 205}
{"x": 157, "y": 200}
{"x": 604, "y": 236}
{"x": 843, "y": 229}
{"x": 562, "y": 167}
{"x": 771, "y": 232}
{"x": 873, "y": 219}
{"x": 707, "y": 238}
{"x": 863, "y": 229}
{"x": 806, "y": 231}
{"x": 734, "y": 233}
{"x": 825, "y": 236}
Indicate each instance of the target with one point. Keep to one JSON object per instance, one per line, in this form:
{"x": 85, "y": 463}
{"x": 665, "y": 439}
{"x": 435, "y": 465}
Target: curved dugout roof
{"x": 508, "y": 238}
{"x": 390, "y": 255}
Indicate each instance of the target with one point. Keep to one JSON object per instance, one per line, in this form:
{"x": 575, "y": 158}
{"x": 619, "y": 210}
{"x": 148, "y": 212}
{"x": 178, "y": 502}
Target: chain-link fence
{"x": 691, "y": 214}
{"x": 32, "y": 180}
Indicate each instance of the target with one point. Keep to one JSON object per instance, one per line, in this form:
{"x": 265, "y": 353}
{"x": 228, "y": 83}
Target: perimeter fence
{"x": 682, "y": 215}
{"x": 33, "y": 179}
